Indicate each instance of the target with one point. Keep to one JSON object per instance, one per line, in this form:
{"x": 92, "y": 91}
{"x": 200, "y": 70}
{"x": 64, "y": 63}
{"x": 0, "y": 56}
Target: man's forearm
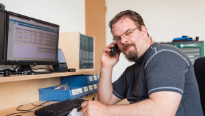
{"x": 163, "y": 103}
{"x": 105, "y": 85}
{"x": 143, "y": 108}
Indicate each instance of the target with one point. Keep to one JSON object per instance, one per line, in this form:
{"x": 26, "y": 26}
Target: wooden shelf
{"x": 42, "y": 76}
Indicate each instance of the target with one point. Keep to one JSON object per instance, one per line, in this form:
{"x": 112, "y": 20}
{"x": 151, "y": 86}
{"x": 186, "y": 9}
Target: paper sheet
{"x": 75, "y": 113}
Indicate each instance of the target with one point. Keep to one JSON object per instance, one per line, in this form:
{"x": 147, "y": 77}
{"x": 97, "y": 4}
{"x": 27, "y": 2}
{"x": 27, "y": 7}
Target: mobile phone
{"x": 115, "y": 50}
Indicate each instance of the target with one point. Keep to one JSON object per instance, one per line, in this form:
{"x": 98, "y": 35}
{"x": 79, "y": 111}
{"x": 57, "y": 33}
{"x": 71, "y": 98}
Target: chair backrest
{"x": 199, "y": 68}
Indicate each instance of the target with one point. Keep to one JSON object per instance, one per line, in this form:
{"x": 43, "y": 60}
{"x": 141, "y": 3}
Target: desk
{"x": 29, "y": 106}
{"x": 17, "y": 90}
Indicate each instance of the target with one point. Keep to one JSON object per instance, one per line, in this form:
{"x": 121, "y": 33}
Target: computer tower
{"x": 78, "y": 50}
{"x": 3, "y": 31}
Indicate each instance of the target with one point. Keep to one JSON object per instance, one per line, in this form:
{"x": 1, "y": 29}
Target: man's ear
{"x": 144, "y": 30}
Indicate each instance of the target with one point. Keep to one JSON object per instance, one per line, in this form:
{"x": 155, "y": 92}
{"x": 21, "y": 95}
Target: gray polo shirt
{"x": 161, "y": 68}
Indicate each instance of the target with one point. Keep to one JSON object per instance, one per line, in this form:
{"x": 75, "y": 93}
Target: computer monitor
{"x": 31, "y": 41}
{"x": 2, "y": 37}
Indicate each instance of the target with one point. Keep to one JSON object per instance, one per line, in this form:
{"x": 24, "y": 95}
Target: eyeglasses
{"x": 126, "y": 34}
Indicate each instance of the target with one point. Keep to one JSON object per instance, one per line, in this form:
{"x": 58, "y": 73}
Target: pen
{"x": 80, "y": 108}
{"x": 93, "y": 98}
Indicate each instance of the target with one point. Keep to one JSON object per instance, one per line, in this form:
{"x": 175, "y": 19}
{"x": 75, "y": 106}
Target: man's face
{"x": 129, "y": 38}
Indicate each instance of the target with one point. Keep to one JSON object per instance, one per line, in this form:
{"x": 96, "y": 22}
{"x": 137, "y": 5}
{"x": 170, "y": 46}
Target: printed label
{"x": 95, "y": 86}
{"x": 77, "y": 91}
{"x": 90, "y": 87}
{"x": 188, "y": 45}
{"x": 95, "y": 77}
{"x": 90, "y": 78}
{"x": 85, "y": 89}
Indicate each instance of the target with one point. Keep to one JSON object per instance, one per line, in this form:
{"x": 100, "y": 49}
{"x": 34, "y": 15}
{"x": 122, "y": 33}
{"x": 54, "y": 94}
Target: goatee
{"x": 130, "y": 55}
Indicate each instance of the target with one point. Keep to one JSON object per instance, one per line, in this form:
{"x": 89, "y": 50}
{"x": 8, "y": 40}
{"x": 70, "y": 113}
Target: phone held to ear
{"x": 114, "y": 50}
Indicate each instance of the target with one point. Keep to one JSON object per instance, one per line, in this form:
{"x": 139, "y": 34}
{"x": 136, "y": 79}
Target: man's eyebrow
{"x": 127, "y": 30}
{"x": 123, "y": 33}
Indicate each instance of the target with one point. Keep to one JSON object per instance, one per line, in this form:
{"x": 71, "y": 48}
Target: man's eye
{"x": 128, "y": 33}
{"x": 116, "y": 38}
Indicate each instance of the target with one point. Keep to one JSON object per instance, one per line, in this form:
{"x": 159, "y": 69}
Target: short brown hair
{"x": 130, "y": 14}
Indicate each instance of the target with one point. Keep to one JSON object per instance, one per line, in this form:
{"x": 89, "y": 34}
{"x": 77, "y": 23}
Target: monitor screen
{"x": 31, "y": 41}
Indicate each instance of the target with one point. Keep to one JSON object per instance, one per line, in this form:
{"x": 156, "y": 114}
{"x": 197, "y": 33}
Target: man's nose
{"x": 123, "y": 39}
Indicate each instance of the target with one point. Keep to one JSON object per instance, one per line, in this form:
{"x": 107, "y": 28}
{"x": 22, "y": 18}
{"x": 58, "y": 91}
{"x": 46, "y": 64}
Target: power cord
{"x": 26, "y": 111}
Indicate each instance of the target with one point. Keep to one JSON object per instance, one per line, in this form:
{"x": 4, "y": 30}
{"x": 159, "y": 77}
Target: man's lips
{"x": 127, "y": 48}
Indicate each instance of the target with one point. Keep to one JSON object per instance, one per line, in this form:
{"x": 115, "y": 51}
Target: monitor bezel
{"x": 31, "y": 62}
{"x": 4, "y": 61}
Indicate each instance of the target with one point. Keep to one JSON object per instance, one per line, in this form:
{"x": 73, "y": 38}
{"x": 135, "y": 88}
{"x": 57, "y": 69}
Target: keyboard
{"x": 62, "y": 108}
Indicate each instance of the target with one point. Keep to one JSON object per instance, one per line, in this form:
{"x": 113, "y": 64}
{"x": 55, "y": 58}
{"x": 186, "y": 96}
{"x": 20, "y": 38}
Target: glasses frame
{"x": 126, "y": 34}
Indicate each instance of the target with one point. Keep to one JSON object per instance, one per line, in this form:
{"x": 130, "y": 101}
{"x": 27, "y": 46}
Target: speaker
{"x": 2, "y": 7}
{"x": 61, "y": 66}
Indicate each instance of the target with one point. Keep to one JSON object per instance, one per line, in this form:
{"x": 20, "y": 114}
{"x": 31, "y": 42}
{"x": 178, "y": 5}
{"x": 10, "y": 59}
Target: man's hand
{"x": 94, "y": 108}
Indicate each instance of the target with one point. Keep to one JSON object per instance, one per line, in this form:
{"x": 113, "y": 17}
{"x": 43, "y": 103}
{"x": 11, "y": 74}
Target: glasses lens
{"x": 116, "y": 39}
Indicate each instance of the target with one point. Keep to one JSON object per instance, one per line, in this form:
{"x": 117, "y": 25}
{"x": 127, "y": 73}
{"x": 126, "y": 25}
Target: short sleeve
{"x": 119, "y": 87}
{"x": 166, "y": 71}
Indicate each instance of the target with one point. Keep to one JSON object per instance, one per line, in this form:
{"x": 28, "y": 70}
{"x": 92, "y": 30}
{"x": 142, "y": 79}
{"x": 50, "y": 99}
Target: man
{"x": 160, "y": 83}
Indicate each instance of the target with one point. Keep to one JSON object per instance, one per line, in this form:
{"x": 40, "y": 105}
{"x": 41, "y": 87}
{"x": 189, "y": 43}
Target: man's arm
{"x": 105, "y": 88}
{"x": 163, "y": 103}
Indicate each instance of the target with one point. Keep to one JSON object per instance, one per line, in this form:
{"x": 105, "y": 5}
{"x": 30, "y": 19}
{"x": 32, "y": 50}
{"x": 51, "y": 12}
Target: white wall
{"x": 69, "y": 14}
{"x": 165, "y": 19}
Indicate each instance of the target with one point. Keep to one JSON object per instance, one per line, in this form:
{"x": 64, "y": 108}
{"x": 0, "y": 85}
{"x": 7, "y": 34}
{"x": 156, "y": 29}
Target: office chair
{"x": 199, "y": 68}
{"x": 2, "y": 7}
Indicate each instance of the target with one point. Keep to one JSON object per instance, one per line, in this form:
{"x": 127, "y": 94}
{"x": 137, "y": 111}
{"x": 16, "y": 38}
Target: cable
{"x": 31, "y": 108}
{"x": 19, "y": 113}
{"x": 16, "y": 67}
{"x": 35, "y": 104}
{"x": 13, "y": 67}
{"x": 26, "y": 111}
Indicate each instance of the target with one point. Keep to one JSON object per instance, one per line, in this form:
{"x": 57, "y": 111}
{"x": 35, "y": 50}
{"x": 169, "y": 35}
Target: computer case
{"x": 78, "y": 50}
